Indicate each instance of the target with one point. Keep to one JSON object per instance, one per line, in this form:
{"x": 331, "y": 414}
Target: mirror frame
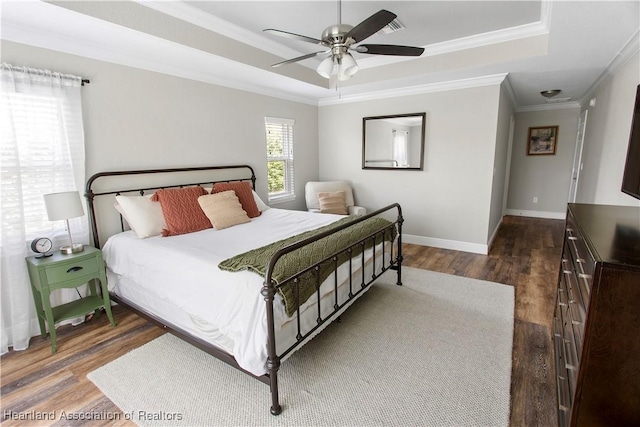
{"x": 393, "y": 116}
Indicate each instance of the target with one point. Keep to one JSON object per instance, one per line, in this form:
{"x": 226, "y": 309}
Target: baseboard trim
{"x": 536, "y": 214}
{"x": 455, "y": 245}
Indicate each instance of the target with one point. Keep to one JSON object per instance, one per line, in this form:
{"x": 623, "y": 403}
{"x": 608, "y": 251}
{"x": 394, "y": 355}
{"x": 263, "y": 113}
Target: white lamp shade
{"x": 63, "y": 205}
{"x": 348, "y": 67}
{"x": 326, "y": 67}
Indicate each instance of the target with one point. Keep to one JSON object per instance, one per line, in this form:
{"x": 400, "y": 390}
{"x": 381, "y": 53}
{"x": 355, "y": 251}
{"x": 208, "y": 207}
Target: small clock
{"x": 42, "y": 246}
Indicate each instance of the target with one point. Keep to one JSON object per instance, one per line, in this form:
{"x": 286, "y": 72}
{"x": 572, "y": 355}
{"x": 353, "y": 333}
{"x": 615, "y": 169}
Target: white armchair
{"x": 312, "y": 188}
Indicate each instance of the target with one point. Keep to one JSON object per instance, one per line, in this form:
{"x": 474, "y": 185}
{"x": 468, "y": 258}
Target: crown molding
{"x": 415, "y": 90}
{"x": 628, "y": 51}
{"x": 478, "y": 40}
{"x": 195, "y": 16}
{"x": 138, "y": 50}
{"x": 506, "y": 84}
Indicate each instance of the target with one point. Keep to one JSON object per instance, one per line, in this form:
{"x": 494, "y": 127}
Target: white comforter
{"x": 182, "y": 270}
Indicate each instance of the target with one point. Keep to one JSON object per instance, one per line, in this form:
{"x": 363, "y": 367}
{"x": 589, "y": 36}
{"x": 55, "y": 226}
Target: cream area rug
{"x": 434, "y": 352}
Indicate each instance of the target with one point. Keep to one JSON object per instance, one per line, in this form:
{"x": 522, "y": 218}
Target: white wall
{"x": 503, "y": 126}
{"x": 546, "y": 177}
{"x": 607, "y": 138}
{"x": 448, "y": 203}
{"x": 137, "y": 119}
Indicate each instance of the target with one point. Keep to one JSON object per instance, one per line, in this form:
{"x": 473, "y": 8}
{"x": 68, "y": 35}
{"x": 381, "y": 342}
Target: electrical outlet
{"x": 535, "y": 200}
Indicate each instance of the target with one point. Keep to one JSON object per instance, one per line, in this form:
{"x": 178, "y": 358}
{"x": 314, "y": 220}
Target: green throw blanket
{"x": 288, "y": 265}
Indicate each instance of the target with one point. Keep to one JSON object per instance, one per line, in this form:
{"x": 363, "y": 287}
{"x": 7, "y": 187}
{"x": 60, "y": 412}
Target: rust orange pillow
{"x": 244, "y": 193}
{"x": 181, "y": 210}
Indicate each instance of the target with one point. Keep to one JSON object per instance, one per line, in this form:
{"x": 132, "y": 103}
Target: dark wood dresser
{"x": 597, "y": 317}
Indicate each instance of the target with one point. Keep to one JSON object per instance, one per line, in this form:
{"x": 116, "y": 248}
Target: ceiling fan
{"x": 339, "y": 39}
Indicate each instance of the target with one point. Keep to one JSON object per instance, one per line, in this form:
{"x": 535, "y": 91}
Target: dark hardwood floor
{"x": 525, "y": 254}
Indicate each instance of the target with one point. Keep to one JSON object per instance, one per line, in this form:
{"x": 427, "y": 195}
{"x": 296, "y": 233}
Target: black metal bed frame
{"x": 270, "y": 286}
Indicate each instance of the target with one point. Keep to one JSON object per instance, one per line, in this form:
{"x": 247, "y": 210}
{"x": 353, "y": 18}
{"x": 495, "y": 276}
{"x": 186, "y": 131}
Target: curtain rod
{"x": 83, "y": 81}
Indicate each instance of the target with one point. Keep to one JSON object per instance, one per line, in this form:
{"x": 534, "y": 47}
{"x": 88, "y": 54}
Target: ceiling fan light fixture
{"x": 347, "y": 67}
{"x": 325, "y": 69}
{"x": 550, "y": 93}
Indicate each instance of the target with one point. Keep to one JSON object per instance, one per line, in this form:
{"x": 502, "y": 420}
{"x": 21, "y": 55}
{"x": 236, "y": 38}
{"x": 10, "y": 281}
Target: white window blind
{"x": 40, "y": 160}
{"x": 280, "y": 163}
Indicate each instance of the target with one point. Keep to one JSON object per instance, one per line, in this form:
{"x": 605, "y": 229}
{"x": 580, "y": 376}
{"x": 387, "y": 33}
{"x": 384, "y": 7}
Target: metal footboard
{"x": 270, "y": 286}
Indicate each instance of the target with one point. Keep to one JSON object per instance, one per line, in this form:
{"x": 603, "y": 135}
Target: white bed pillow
{"x": 262, "y": 206}
{"x": 143, "y": 215}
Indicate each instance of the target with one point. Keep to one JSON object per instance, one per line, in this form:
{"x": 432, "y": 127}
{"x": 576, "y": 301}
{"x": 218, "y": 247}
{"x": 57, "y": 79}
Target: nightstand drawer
{"x": 71, "y": 270}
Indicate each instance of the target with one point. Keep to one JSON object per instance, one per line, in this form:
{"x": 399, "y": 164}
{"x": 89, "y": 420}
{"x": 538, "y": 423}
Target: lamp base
{"x": 72, "y": 249}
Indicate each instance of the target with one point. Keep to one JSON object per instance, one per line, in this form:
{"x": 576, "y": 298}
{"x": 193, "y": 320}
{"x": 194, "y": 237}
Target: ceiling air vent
{"x": 392, "y": 27}
{"x": 556, "y": 100}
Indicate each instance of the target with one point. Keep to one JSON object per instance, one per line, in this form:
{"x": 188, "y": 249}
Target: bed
{"x": 250, "y": 294}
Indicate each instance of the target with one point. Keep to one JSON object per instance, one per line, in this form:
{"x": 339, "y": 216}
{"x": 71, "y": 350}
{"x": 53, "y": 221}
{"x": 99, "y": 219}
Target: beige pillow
{"x": 223, "y": 209}
{"x": 332, "y": 202}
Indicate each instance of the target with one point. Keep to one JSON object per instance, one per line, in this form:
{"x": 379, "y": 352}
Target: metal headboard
{"x": 205, "y": 175}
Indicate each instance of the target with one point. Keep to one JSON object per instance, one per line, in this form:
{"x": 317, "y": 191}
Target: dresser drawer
{"x": 577, "y": 327}
{"x": 564, "y": 395}
{"x": 574, "y": 300}
{"x": 582, "y": 257}
{"x": 574, "y": 291}
{"x": 585, "y": 283}
{"x": 71, "y": 270}
{"x": 582, "y": 270}
{"x": 557, "y": 322}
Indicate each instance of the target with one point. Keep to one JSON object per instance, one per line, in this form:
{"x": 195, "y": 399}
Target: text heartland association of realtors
{"x": 90, "y": 416}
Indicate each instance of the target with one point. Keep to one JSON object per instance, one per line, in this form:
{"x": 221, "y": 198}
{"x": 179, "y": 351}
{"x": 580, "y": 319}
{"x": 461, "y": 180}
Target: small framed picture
{"x": 542, "y": 140}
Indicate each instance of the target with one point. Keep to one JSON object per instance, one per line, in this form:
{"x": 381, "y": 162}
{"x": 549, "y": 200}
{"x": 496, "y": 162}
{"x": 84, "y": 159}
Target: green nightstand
{"x": 67, "y": 271}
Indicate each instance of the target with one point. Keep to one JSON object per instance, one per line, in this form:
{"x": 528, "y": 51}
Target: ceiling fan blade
{"x": 300, "y": 58}
{"x": 371, "y": 25}
{"x": 293, "y": 36}
{"x": 389, "y": 49}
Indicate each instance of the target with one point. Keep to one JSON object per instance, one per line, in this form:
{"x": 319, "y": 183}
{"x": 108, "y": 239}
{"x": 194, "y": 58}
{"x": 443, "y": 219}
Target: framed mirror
{"x": 393, "y": 142}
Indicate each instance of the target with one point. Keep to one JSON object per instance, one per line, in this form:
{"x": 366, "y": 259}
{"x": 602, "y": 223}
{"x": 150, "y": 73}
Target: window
{"x": 37, "y": 161}
{"x": 279, "y": 137}
{"x": 400, "y": 148}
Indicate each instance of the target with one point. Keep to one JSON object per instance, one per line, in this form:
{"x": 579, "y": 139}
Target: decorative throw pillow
{"x": 181, "y": 210}
{"x": 245, "y": 195}
{"x": 223, "y": 209}
{"x": 332, "y": 202}
{"x": 143, "y": 215}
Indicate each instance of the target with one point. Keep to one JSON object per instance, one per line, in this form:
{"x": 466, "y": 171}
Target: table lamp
{"x": 61, "y": 206}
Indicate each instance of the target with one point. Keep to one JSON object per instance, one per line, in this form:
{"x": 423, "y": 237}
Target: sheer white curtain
{"x": 401, "y": 147}
{"x": 41, "y": 151}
